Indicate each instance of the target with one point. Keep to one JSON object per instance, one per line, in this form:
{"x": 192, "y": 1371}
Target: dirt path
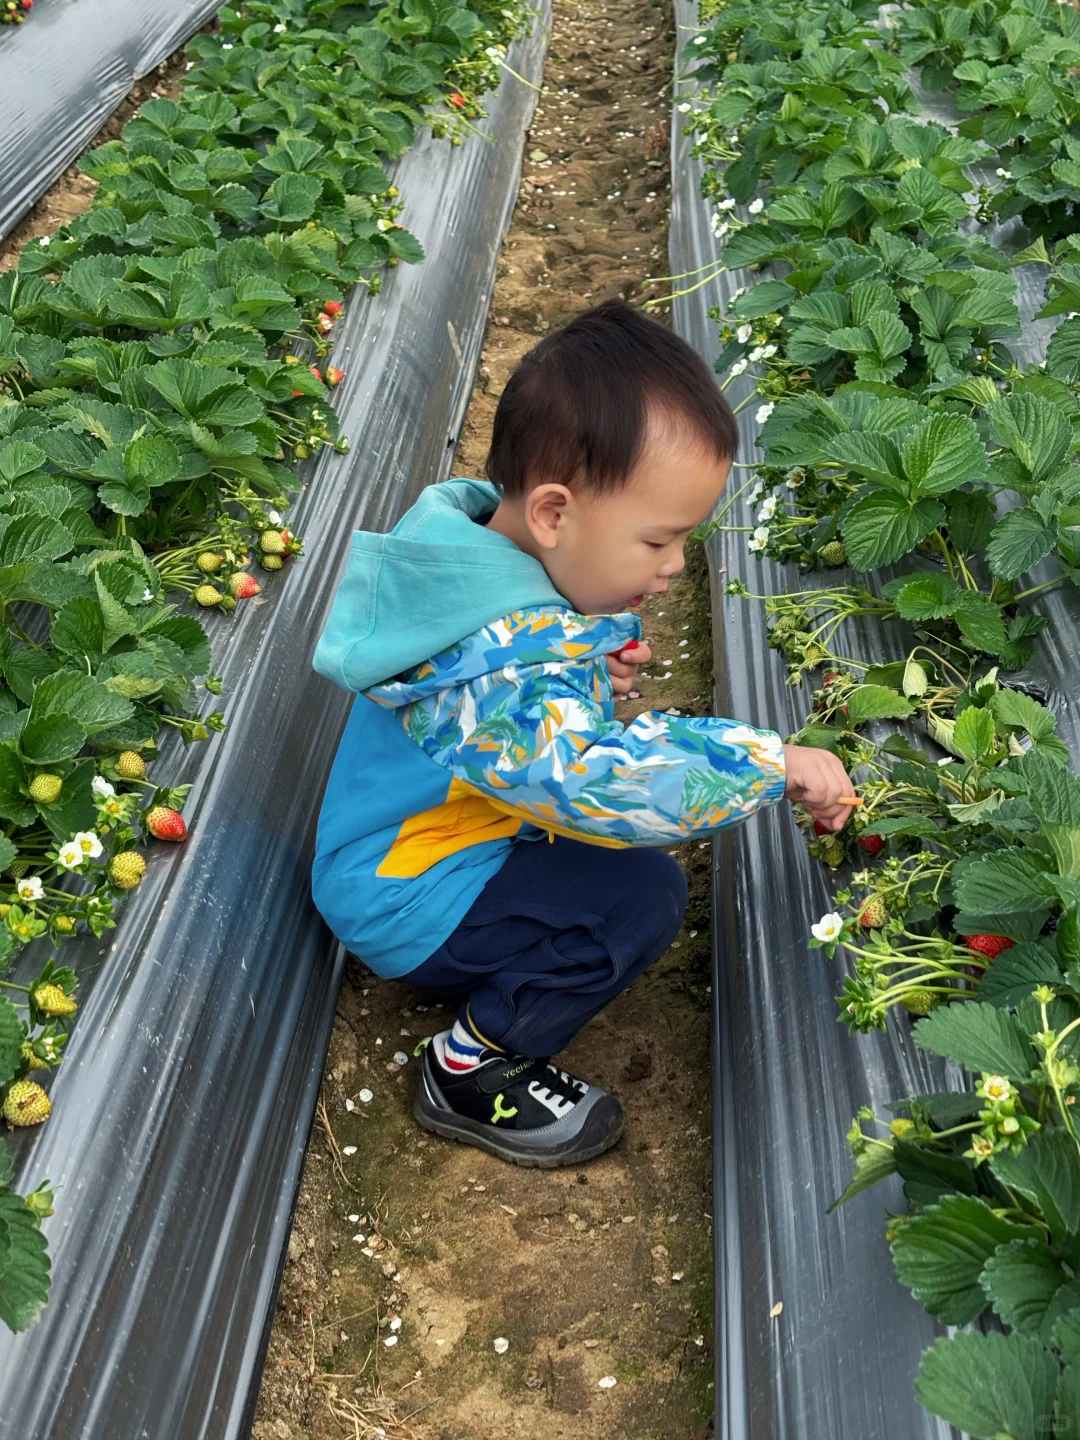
{"x": 413, "y": 1259}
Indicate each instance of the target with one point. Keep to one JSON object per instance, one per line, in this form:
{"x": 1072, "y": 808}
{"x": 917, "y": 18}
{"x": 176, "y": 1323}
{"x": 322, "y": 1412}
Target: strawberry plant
{"x": 900, "y": 432}
{"x": 161, "y": 375}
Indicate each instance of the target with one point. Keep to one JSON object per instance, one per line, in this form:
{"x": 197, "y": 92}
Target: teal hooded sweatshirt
{"x": 486, "y": 717}
{"x": 437, "y": 577}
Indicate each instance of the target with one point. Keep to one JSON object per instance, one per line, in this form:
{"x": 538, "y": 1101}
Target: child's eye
{"x": 655, "y": 545}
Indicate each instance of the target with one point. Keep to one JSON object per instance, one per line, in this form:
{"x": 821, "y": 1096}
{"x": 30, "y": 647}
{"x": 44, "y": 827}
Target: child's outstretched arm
{"x": 539, "y": 745}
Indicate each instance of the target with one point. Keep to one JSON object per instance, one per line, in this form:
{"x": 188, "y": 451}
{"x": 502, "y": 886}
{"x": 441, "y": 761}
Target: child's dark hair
{"x": 576, "y": 406}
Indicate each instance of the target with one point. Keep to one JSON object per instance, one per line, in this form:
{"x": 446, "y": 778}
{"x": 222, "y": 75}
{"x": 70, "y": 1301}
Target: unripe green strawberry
{"x": 272, "y": 562}
{"x": 874, "y": 913}
{"x": 53, "y": 1001}
{"x": 919, "y": 1002}
{"x": 26, "y": 1104}
{"x": 208, "y": 562}
{"x": 228, "y": 602}
{"x": 832, "y": 851}
{"x": 271, "y": 543}
{"x": 45, "y": 788}
{"x": 130, "y": 765}
{"x": 207, "y": 595}
{"x": 17, "y": 869}
{"x": 31, "y": 1059}
{"x": 64, "y": 923}
{"x": 833, "y": 553}
{"x": 244, "y": 586}
{"x": 127, "y": 869}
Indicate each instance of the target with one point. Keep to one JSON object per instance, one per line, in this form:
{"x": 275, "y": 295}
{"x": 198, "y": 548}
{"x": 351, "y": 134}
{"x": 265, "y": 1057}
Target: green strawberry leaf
{"x": 12, "y": 1036}
{"x": 1019, "y": 540}
{"x": 974, "y": 733}
{"x": 1028, "y": 1286}
{"x": 1035, "y": 430}
{"x": 990, "y": 1386}
{"x": 942, "y": 454}
{"x": 874, "y": 1164}
{"x": 1046, "y": 1170}
{"x": 24, "y": 1264}
{"x": 978, "y": 1036}
{"x": 1004, "y": 883}
{"x": 876, "y": 702}
{"x": 1015, "y": 974}
{"x": 883, "y": 527}
{"x": 940, "y": 1254}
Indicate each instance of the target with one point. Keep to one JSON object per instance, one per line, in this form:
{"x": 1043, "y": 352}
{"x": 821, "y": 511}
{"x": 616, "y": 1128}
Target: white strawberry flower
{"x": 1003, "y": 174}
{"x": 756, "y": 492}
{"x": 44, "y": 239}
{"x": 700, "y": 39}
{"x": 88, "y": 843}
{"x": 995, "y": 1087}
{"x": 728, "y": 204}
{"x": 738, "y": 367}
{"x": 30, "y": 888}
{"x": 384, "y": 224}
{"x": 71, "y": 855}
{"x": 761, "y": 538}
{"x": 147, "y": 594}
{"x": 226, "y": 47}
{"x": 274, "y": 517}
{"x": 764, "y": 412}
{"x": 719, "y": 227}
{"x": 101, "y": 786}
{"x": 743, "y": 333}
{"x": 795, "y": 478}
{"x": 828, "y": 928}
{"x": 768, "y": 509}
{"x": 280, "y": 29}
{"x": 768, "y": 351}
{"x": 758, "y": 353}
{"x": 756, "y": 206}
{"x": 684, "y": 108}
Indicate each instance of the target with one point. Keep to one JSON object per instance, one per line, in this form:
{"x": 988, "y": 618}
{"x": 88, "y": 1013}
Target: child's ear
{"x": 546, "y": 508}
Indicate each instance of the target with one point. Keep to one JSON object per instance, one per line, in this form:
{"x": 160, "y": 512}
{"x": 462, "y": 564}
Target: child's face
{"x": 606, "y": 552}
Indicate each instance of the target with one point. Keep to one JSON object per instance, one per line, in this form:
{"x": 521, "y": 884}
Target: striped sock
{"x": 459, "y": 1049}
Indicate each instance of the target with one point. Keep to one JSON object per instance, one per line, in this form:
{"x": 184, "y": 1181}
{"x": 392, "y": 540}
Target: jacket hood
{"x": 436, "y": 578}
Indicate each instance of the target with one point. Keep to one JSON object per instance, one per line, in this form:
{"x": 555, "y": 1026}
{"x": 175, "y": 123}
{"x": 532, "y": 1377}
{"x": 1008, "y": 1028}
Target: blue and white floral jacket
{"x": 505, "y": 732}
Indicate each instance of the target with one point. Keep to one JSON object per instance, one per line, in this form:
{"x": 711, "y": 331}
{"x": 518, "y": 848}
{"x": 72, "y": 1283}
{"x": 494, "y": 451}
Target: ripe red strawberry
{"x": 830, "y": 677}
{"x": 334, "y": 376}
{"x": 989, "y": 945}
{"x": 244, "y": 586}
{"x": 457, "y": 100}
{"x": 874, "y": 913}
{"x": 166, "y": 824}
{"x": 27, "y": 4}
{"x": 820, "y": 828}
{"x": 315, "y": 371}
{"x": 333, "y": 307}
{"x": 325, "y": 322}
{"x": 297, "y": 392}
{"x": 872, "y": 843}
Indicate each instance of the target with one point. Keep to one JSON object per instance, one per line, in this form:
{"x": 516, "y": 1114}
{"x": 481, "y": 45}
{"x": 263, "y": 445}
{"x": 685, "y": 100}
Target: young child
{"x": 488, "y": 828}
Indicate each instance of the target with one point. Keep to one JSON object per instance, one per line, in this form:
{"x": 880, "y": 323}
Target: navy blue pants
{"x": 553, "y": 937}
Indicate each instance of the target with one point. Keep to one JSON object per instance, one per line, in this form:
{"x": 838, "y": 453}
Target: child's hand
{"x": 624, "y": 663}
{"x": 816, "y": 779}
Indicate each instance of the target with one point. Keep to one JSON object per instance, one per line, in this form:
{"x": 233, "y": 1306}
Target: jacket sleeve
{"x": 538, "y": 743}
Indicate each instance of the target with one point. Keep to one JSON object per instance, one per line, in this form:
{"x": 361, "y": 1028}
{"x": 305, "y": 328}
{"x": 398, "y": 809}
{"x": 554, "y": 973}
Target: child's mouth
{"x": 634, "y": 602}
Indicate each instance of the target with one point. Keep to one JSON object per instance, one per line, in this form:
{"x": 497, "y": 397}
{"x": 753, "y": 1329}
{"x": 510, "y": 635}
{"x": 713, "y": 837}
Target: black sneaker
{"x": 527, "y": 1111}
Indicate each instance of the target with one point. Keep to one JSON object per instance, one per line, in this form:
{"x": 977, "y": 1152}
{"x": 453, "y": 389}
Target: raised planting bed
{"x": 816, "y": 1334}
{"x": 62, "y": 76}
{"x": 181, "y": 1110}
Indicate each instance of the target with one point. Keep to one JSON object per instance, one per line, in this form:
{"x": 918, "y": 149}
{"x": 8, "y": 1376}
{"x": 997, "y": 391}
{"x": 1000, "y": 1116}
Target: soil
{"x": 436, "y": 1248}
